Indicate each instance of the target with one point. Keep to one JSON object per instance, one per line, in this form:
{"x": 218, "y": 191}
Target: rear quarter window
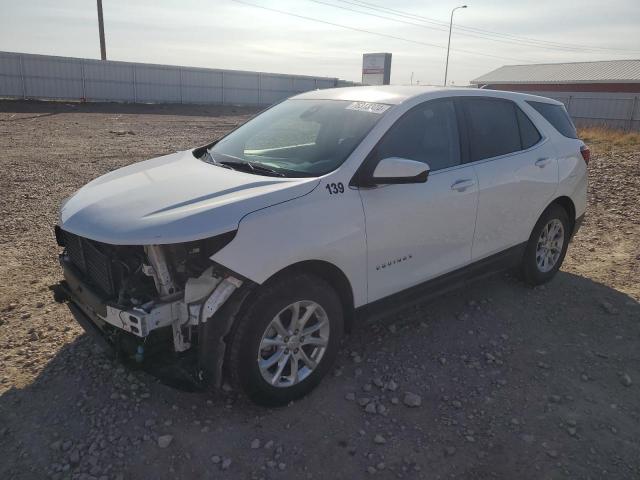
{"x": 557, "y": 116}
{"x": 529, "y": 134}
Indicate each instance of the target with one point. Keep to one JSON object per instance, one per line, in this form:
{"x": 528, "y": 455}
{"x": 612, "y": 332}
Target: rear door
{"x": 517, "y": 172}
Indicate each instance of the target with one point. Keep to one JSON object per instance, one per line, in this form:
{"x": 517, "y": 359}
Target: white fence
{"x": 66, "y": 78}
{"x": 612, "y": 110}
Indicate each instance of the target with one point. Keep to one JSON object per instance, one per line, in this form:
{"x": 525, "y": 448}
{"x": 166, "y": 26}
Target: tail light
{"x": 586, "y": 154}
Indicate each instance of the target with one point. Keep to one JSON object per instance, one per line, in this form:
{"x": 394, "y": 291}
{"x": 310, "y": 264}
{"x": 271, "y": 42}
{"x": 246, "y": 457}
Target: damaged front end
{"x": 154, "y": 303}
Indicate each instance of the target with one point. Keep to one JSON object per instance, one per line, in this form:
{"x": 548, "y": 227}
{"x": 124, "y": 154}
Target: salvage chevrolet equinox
{"x": 247, "y": 259}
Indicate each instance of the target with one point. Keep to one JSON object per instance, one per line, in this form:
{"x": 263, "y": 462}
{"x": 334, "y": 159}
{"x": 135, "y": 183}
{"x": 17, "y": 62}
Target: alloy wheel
{"x": 293, "y": 343}
{"x": 549, "y": 246}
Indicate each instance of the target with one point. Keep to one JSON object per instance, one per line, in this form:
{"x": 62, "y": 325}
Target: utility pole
{"x": 446, "y": 67}
{"x": 103, "y": 48}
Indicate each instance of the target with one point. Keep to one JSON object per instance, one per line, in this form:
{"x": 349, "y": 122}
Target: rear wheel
{"x": 547, "y": 246}
{"x": 286, "y": 340}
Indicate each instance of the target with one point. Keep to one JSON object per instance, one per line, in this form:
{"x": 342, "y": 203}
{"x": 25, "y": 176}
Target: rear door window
{"x": 492, "y": 127}
{"x": 557, "y": 116}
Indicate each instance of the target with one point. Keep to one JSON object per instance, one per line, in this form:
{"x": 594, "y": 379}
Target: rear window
{"x": 557, "y": 116}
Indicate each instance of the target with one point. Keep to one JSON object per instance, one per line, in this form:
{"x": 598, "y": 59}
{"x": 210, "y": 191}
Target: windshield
{"x": 298, "y": 138}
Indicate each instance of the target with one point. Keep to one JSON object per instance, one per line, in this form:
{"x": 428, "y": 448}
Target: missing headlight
{"x": 190, "y": 259}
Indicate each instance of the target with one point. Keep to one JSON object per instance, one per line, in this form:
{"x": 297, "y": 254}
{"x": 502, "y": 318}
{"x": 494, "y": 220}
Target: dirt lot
{"x": 515, "y": 383}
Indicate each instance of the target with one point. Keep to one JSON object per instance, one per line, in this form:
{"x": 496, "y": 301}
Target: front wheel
{"x": 547, "y": 246}
{"x": 286, "y": 339}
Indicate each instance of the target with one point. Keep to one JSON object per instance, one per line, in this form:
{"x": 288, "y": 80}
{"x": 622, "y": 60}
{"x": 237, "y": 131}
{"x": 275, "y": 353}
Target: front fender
{"x": 318, "y": 226}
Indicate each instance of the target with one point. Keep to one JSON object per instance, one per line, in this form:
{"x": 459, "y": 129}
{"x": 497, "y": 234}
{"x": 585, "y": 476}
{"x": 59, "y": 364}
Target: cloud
{"x": 226, "y": 34}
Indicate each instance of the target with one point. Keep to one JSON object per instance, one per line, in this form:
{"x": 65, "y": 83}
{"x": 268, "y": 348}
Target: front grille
{"x": 93, "y": 261}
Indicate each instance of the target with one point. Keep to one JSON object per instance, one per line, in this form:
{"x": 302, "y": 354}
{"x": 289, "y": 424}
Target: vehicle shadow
{"x": 55, "y": 107}
{"x": 498, "y": 366}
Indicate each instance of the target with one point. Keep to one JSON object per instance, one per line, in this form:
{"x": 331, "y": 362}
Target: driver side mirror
{"x": 395, "y": 170}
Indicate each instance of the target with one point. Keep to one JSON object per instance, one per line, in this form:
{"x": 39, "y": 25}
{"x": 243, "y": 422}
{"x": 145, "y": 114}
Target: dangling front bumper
{"x": 153, "y": 335}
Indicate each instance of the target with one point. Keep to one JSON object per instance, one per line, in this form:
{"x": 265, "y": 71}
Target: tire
{"x": 535, "y": 271}
{"x": 255, "y": 329}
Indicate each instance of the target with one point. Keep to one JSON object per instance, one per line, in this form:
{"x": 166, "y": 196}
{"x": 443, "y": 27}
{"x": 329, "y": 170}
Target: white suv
{"x": 256, "y": 252}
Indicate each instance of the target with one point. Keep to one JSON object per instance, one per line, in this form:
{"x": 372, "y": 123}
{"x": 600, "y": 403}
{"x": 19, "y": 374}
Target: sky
{"x": 251, "y": 35}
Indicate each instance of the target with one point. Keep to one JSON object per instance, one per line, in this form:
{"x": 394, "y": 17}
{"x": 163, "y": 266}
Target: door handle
{"x": 542, "y": 162}
{"x": 462, "y": 185}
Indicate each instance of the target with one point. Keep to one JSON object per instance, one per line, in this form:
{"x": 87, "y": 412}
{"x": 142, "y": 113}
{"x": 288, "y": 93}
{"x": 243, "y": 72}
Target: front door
{"x": 416, "y": 232}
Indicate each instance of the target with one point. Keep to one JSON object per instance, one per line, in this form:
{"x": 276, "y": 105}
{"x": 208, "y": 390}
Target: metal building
{"x": 603, "y": 93}
{"x": 614, "y": 76}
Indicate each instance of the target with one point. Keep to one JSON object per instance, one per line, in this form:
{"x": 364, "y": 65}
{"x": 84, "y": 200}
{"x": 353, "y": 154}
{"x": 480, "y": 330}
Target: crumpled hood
{"x": 172, "y": 199}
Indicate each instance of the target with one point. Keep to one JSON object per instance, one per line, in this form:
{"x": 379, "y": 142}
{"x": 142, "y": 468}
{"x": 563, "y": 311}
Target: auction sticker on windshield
{"x": 368, "y": 107}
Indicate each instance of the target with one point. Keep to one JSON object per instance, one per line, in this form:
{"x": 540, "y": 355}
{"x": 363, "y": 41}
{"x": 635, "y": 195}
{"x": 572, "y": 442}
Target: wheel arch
{"x": 330, "y": 273}
{"x": 567, "y": 204}
{"x": 214, "y": 361}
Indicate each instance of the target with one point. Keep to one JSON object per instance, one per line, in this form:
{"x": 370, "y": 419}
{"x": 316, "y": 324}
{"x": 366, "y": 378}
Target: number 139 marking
{"x": 334, "y": 188}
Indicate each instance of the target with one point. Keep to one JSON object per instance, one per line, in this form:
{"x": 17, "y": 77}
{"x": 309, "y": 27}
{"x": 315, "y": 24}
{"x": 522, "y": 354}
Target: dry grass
{"x": 599, "y": 135}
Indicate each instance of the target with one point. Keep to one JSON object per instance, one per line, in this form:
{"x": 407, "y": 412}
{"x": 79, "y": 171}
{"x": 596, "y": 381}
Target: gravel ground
{"x": 497, "y": 380}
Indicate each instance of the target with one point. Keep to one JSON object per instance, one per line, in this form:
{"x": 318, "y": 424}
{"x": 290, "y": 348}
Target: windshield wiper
{"x": 251, "y": 167}
{"x": 207, "y": 157}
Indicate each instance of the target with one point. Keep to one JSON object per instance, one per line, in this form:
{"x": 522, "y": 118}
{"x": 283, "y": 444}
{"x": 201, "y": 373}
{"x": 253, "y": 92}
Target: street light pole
{"x": 103, "y": 48}
{"x": 446, "y": 68}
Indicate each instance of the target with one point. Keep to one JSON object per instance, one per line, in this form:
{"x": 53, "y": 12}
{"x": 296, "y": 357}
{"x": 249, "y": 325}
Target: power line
{"x": 400, "y": 13}
{"x": 362, "y": 30}
{"x": 444, "y": 29}
{"x": 364, "y": 4}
